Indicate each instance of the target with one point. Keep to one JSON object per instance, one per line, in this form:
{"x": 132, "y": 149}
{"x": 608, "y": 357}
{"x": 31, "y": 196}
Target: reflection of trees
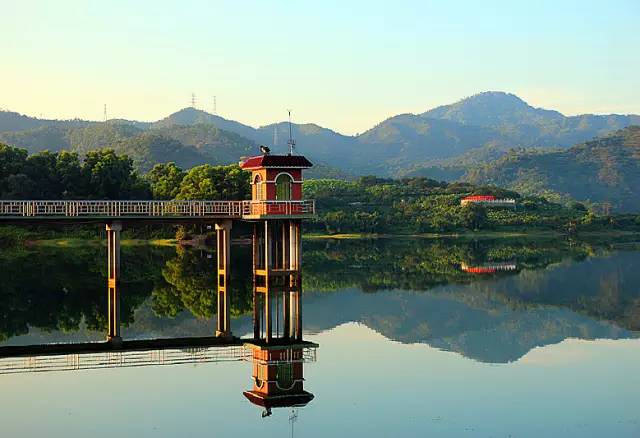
{"x": 416, "y": 264}
{"x": 56, "y": 289}
{"x": 190, "y": 283}
{"x": 600, "y": 288}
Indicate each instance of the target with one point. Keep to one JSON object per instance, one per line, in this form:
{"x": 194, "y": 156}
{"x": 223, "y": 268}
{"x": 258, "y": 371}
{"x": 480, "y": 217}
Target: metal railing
{"x": 155, "y": 209}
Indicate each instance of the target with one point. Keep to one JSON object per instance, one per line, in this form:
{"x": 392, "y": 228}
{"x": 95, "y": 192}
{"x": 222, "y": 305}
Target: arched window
{"x": 283, "y": 187}
{"x": 258, "y": 188}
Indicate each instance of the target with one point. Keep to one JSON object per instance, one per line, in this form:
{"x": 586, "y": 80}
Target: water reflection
{"x": 358, "y": 297}
{"x": 415, "y": 291}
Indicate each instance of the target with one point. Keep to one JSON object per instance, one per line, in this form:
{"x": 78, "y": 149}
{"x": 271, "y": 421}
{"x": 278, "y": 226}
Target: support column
{"x": 267, "y": 296}
{"x": 296, "y": 257}
{"x": 113, "y": 281}
{"x": 256, "y": 301}
{"x": 223, "y": 235}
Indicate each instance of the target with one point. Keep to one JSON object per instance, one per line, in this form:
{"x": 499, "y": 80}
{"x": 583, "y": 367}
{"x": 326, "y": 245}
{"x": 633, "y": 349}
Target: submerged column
{"x": 277, "y": 280}
{"x": 295, "y": 279}
{"x": 223, "y": 235}
{"x": 113, "y": 280}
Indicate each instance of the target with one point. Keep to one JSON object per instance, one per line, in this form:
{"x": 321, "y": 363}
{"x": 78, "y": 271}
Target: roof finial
{"x": 291, "y": 142}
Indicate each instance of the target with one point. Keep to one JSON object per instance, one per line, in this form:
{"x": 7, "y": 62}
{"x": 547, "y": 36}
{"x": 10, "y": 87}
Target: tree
{"x": 215, "y": 182}
{"x": 111, "y": 176}
{"x": 474, "y": 216}
{"x": 165, "y": 180}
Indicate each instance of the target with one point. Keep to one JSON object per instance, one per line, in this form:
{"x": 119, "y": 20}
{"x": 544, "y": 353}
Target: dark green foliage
{"x": 421, "y": 205}
{"x": 215, "y": 182}
{"x": 165, "y": 180}
{"x": 102, "y": 175}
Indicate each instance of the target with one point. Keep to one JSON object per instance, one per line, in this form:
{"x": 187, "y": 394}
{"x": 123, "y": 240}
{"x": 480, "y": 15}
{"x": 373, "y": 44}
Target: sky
{"x": 345, "y": 65}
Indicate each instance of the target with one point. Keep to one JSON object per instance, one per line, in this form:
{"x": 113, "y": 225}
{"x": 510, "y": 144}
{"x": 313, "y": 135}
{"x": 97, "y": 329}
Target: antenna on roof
{"x": 291, "y": 142}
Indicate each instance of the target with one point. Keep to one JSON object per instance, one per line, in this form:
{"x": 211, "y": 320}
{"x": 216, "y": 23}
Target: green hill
{"x": 605, "y": 171}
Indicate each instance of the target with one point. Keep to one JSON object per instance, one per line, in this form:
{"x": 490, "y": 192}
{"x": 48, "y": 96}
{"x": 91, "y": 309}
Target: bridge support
{"x": 113, "y": 281}
{"x": 223, "y": 237}
{"x": 277, "y": 280}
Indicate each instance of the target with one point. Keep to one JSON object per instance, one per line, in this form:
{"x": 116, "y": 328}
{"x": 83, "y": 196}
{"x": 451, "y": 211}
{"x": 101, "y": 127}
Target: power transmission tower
{"x": 105, "y": 112}
{"x": 215, "y": 106}
{"x": 193, "y": 100}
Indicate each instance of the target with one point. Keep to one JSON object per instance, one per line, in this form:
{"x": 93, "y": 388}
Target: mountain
{"x": 436, "y": 143}
{"x": 193, "y": 116}
{"x": 12, "y": 121}
{"x": 525, "y": 125}
{"x": 218, "y": 145}
{"x": 408, "y": 139}
{"x": 605, "y": 170}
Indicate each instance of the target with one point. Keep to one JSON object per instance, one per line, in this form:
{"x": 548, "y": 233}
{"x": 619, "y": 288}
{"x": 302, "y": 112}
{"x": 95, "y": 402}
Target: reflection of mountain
{"x": 456, "y": 318}
{"x": 500, "y": 319}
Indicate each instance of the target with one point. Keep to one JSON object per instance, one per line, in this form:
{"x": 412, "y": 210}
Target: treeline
{"x": 104, "y": 174}
{"x": 366, "y": 205}
{"x": 422, "y": 205}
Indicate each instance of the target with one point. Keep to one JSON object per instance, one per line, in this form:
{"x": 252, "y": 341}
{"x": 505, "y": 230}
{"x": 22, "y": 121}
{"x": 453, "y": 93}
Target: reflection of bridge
{"x": 67, "y": 357}
{"x": 277, "y": 369}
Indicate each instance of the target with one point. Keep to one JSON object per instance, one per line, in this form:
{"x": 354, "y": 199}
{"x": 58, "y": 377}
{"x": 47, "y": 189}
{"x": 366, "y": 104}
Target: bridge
{"x": 99, "y": 211}
{"x": 276, "y": 211}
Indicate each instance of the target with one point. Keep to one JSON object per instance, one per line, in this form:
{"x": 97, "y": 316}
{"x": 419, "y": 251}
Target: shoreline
{"x": 480, "y": 235}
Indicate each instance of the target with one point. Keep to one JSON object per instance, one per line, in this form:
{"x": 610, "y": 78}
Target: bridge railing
{"x": 232, "y": 209}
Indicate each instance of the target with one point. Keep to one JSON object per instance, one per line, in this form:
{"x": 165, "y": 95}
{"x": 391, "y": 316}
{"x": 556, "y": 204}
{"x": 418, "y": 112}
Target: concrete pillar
{"x": 256, "y": 301}
{"x": 267, "y": 295}
{"x": 223, "y": 235}
{"x": 296, "y": 278}
{"x": 113, "y": 281}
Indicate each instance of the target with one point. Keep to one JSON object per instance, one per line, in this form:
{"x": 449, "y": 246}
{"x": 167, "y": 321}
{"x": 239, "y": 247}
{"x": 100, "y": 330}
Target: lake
{"x": 417, "y": 337}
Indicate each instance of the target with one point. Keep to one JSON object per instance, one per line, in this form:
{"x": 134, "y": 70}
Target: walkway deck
{"x": 82, "y": 210}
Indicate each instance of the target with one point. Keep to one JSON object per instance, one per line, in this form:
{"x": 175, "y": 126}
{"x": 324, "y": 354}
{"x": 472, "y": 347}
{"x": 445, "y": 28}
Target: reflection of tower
{"x": 278, "y": 378}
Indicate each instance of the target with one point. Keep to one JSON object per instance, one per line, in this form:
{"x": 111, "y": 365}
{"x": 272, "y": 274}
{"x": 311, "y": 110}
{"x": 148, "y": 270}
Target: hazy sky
{"x": 345, "y": 65}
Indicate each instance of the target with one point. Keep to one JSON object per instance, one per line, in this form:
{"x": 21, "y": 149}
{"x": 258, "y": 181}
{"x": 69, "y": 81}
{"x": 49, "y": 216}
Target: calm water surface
{"x": 417, "y": 338}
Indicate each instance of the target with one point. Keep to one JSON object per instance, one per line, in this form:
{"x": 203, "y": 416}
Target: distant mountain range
{"x": 443, "y": 142}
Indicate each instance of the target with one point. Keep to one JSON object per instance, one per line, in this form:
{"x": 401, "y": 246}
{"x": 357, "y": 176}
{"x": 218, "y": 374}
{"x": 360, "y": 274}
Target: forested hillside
{"x": 604, "y": 171}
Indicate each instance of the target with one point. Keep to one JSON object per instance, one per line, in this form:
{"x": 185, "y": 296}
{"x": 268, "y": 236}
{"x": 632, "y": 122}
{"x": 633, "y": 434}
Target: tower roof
{"x": 264, "y": 161}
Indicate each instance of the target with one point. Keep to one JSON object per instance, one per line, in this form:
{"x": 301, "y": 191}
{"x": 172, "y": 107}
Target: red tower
{"x": 276, "y": 186}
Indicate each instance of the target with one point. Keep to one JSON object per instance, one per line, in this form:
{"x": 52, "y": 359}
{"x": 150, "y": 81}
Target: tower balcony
{"x": 266, "y": 209}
